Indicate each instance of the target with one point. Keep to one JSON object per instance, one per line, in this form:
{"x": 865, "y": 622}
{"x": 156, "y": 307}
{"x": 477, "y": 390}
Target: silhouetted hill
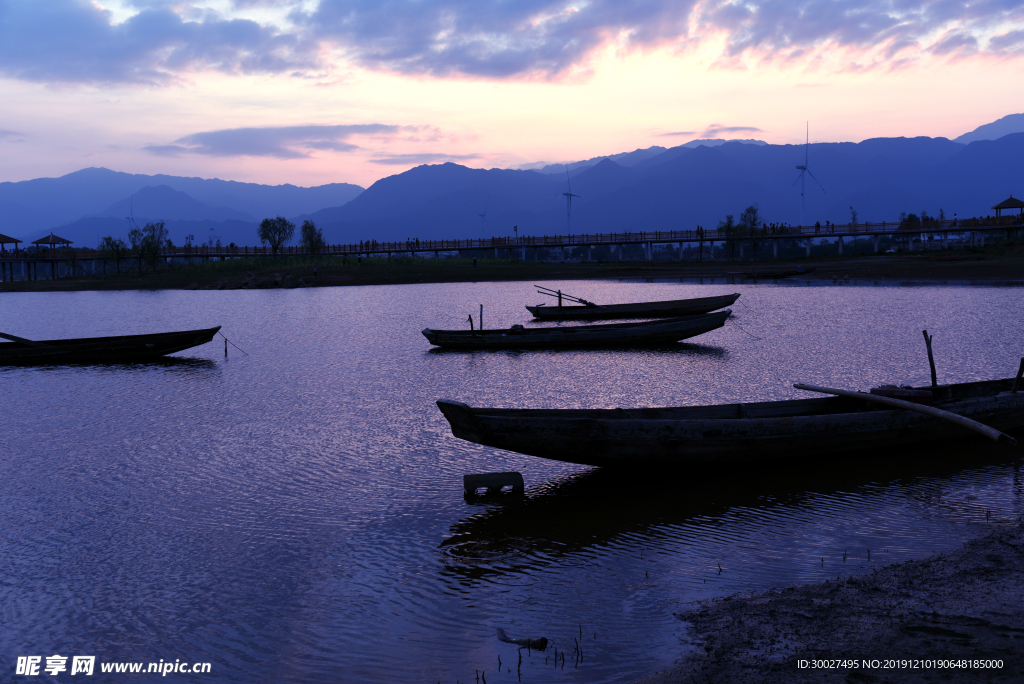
{"x": 1013, "y": 123}
{"x": 33, "y": 207}
{"x": 683, "y": 187}
{"x": 172, "y": 205}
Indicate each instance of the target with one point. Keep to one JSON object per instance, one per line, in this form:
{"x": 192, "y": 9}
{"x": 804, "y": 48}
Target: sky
{"x": 322, "y": 91}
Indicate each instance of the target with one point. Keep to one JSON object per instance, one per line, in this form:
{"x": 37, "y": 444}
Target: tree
{"x": 154, "y": 238}
{"x": 276, "y": 231}
{"x": 312, "y": 238}
{"x": 113, "y": 248}
{"x": 853, "y": 216}
{"x": 728, "y": 229}
{"x": 750, "y": 219}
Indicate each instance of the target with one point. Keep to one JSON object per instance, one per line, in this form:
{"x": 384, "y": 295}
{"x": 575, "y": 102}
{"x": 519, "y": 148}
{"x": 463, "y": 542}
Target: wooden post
{"x": 931, "y": 359}
{"x": 1016, "y": 380}
{"x": 481, "y": 319}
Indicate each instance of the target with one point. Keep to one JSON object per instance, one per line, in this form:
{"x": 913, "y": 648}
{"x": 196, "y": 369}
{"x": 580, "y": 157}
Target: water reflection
{"x": 283, "y": 513}
{"x": 591, "y": 509}
{"x": 174, "y": 364}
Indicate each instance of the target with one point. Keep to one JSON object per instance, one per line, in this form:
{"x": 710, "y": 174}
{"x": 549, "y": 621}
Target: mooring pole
{"x": 1016, "y": 380}
{"x": 481, "y": 319}
{"x": 931, "y": 359}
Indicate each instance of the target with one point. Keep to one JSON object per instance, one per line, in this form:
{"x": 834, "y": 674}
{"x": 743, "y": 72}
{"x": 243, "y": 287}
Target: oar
{"x": 991, "y": 433}
{"x": 15, "y": 338}
{"x": 563, "y": 295}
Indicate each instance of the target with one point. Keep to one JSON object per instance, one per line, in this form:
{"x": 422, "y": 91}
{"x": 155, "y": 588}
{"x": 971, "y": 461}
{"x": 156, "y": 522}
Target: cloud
{"x": 74, "y": 41}
{"x": 281, "y": 142}
{"x": 715, "y": 130}
{"x": 10, "y": 135}
{"x": 77, "y": 41}
{"x": 423, "y": 158}
{"x": 677, "y": 133}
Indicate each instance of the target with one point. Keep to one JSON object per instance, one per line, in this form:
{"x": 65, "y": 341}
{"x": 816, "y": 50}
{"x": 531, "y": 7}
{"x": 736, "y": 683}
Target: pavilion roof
{"x": 7, "y": 238}
{"x": 51, "y": 239}
{"x": 1011, "y": 203}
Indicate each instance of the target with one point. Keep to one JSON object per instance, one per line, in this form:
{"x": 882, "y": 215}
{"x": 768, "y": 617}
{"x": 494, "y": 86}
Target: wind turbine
{"x": 807, "y": 171}
{"x": 483, "y": 216}
{"x": 131, "y": 207}
{"x": 568, "y": 202}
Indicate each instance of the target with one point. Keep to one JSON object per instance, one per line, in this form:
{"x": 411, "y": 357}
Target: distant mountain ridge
{"x": 683, "y": 187}
{"x": 1013, "y": 123}
{"x": 657, "y": 188}
{"x": 30, "y": 209}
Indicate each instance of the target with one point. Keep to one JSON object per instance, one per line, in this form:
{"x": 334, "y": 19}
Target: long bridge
{"x": 57, "y": 263}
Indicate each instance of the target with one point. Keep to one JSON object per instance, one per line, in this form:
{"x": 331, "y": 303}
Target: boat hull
{"x": 648, "y": 333}
{"x": 119, "y": 349}
{"x": 731, "y": 433}
{"x": 674, "y": 308}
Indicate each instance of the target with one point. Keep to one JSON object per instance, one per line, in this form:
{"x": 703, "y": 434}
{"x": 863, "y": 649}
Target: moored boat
{"x": 645, "y": 333}
{"x": 734, "y": 433}
{"x": 672, "y": 308}
{"x": 118, "y": 349}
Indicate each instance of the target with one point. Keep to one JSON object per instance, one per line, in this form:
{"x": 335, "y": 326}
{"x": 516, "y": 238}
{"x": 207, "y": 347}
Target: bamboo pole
{"x": 991, "y": 433}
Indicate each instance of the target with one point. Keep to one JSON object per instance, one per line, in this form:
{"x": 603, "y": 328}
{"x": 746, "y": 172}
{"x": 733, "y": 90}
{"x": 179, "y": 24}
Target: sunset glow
{"x": 318, "y": 92}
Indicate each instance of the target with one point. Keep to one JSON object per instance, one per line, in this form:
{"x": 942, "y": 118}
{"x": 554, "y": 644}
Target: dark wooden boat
{"x": 646, "y": 333}
{"x": 734, "y": 433}
{"x": 102, "y": 349}
{"x": 678, "y": 307}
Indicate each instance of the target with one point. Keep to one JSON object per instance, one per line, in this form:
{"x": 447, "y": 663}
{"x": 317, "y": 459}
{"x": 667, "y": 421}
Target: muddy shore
{"x": 955, "y": 608}
{"x": 996, "y": 263}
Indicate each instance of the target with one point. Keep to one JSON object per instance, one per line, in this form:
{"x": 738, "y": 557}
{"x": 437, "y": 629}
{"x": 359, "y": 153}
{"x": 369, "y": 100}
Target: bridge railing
{"x": 627, "y": 237}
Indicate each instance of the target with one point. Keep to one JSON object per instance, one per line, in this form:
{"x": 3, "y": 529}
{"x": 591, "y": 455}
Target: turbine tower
{"x": 568, "y": 202}
{"x": 483, "y": 216}
{"x": 804, "y": 170}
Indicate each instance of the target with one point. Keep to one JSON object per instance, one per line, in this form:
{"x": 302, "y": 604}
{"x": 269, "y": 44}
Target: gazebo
{"x": 4, "y": 239}
{"x": 52, "y": 240}
{"x": 1011, "y": 203}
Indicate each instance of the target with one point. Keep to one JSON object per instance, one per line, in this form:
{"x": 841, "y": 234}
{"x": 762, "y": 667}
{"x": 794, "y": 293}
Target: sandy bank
{"x": 963, "y": 606}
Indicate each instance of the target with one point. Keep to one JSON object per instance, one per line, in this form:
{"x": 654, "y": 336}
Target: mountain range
{"x": 657, "y": 188}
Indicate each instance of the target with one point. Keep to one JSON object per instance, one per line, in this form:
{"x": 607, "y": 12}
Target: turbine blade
{"x": 801, "y": 175}
{"x": 815, "y": 180}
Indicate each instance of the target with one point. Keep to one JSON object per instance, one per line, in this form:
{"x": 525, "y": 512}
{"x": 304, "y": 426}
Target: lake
{"x": 296, "y": 514}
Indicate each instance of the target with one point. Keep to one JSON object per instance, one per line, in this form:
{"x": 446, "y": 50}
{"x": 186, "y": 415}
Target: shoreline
{"x": 995, "y": 264}
{"x": 960, "y": 605}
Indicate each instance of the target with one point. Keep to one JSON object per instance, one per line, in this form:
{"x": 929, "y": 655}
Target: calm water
{"x": 296, "y": 515}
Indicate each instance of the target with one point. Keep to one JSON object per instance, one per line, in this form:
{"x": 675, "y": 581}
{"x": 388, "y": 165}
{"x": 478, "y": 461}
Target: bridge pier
{"x": 840, "y": 242}
{"x": 874, "y": 241}
{"x": 808, "y": 246}
{"x": 775, "y": 249}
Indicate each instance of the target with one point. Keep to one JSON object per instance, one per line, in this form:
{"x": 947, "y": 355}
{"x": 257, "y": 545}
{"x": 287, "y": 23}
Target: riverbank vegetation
{"x": 997, "y": 261}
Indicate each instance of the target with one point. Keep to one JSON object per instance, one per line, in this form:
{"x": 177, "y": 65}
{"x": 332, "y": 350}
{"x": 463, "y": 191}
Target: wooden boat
{"x": 101, "y": 349}
{"x": 734, "y": 433}
{"x": 646, "y": 333}
{"x": 677, "y": 307}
